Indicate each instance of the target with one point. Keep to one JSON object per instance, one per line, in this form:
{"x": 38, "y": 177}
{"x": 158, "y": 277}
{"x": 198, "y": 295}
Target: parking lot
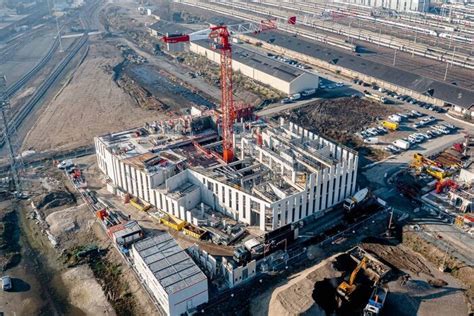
{"x": 406, "y": 130}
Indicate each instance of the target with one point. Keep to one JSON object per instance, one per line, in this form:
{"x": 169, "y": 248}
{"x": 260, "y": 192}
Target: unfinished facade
{"x": 282, "y": 172}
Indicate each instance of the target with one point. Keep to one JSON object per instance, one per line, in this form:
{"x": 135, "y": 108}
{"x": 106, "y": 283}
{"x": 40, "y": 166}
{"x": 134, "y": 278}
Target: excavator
{"x": 345, "y": 289}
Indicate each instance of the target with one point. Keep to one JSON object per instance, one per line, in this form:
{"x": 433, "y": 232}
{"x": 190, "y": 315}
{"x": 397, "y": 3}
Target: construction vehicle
{"x": 345, "y": 289}
{"x": 376, "y": 301}
{"x": 429, "y": 166}
{"x": 440, "y": 185}
{"x": 220, "y": 35}
{"x": 356, "y": 199}
{"x": 393, "y": 126}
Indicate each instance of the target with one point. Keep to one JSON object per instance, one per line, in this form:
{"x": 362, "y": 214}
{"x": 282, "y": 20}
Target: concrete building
{"x": 398, "y": 5}
{"x": 280, "y": 76}
{"x": 170, "y": 274}
{"x": 283, "y": 173}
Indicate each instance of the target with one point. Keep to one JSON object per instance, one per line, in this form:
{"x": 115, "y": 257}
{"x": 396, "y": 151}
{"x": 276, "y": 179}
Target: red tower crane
{"x": 220, "y": 36}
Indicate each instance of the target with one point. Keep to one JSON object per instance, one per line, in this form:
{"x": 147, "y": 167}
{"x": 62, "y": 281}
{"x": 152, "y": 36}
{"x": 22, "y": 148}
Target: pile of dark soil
{"x": 55, "y": 199}
{"x": 339, "y": 118}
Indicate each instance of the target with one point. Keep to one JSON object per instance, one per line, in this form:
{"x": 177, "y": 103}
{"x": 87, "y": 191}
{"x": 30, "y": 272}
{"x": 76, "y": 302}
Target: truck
{"x": 402, "y": 144}
{"x": 390, "y": 125}
{"x": 376, "y": 301}
{"x": 353, "y": 201}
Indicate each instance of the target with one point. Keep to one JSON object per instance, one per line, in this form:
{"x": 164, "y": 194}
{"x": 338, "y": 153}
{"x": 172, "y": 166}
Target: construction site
{"x": 234, "y": 157}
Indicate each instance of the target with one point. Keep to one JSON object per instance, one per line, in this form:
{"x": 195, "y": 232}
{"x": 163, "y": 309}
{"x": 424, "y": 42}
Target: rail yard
{"x": 236, "y": 157}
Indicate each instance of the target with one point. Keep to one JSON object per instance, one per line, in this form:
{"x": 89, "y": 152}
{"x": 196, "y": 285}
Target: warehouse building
{"x": 283, "y": 173}
{"x": 460, "y": 100}
{"x": 283, "y": 77}
{"x": 176, "y": 282}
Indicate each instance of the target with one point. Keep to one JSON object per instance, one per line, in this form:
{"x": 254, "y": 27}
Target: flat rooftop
{"x": 170, "y": 264}
{"x": 440, "y": 90}
{"x": 260, "y": 62}
{"x": 165, "y": 27}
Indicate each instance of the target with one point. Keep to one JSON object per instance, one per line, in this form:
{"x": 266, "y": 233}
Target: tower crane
{"x": 220, "y": 36}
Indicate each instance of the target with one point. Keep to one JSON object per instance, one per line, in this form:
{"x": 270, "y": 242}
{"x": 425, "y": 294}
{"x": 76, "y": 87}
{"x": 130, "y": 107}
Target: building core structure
{"x": 282, "y": 173}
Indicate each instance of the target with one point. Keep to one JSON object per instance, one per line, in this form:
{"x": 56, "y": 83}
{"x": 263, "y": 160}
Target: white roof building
{"x": 168, "y": 271}
{"x": 278, "y": 75}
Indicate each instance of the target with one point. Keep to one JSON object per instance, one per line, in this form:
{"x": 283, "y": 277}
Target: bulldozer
{"x": 345, "y": 289}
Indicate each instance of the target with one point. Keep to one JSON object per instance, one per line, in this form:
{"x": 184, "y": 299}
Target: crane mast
{"x": 221, "y": 33}
{"x": 221, "y": 41}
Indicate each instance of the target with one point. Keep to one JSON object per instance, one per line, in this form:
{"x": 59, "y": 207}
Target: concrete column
{"x": 284, "y": 209}
{"x": 247, "y": 210}
{"x": 262, "y": 217}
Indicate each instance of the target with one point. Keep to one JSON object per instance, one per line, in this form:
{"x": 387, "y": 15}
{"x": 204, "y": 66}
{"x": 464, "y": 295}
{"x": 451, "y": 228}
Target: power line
{"x": 15, "y": 164}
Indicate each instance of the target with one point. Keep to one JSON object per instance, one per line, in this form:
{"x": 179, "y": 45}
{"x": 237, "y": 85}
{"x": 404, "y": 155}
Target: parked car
{"x": 393, "y": 149}
{"x": 65, "y": 164}
{"x": 7, "y": 284}
{"x": 450, "y": 126}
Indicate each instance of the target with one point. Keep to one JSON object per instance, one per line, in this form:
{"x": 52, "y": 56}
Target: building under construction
{"x": 280, "y": 174}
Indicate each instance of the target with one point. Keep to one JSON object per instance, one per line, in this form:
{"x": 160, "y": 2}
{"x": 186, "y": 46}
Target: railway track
{"x": 242, "y": 10}
{"x": 19, "y": 117}
{"x": 15, "y": 87}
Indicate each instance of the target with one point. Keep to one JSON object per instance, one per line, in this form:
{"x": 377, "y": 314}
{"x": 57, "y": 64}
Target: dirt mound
{"x": 298, "y": 296}
{"x": 437, "y": 282}
{"x": 65, "y": 224}
{"x": 55, "y": 199}
{"x": 339, "y": 118}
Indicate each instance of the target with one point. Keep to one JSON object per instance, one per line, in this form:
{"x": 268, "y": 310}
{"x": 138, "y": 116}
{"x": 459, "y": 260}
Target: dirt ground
{"x": 27, "y": 296}
{"x": 295, "y": 297}
{"x": 90, "y": 104}
{"x": 84, "y": 292}
{"x": 426, "y": 291}
{"x": 461, "y": 271}
{"x": 340, "y": 118}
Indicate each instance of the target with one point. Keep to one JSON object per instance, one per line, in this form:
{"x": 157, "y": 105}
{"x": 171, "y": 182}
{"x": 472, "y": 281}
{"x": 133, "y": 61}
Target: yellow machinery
{"x": 429, "y": 166}
{"x": 390, "y": 125}
{"x": 345, "y": 289}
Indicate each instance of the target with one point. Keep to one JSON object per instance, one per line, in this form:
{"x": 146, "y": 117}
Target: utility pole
{"x": 394, "y": 57}
{"x": 446, "y": 72}
{"x": 7, "y": 135}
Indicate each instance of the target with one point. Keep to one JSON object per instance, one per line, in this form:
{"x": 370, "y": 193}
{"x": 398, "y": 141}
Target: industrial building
{"x": 170, "y": 274}
{"x": 461, "y": 100}
{"x": 282, "y": 172}
{"x": 283, "y": 77}
{"x": 398, "y": 5}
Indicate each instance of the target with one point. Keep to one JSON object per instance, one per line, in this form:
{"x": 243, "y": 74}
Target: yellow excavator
{"x": 345, "y": 289}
